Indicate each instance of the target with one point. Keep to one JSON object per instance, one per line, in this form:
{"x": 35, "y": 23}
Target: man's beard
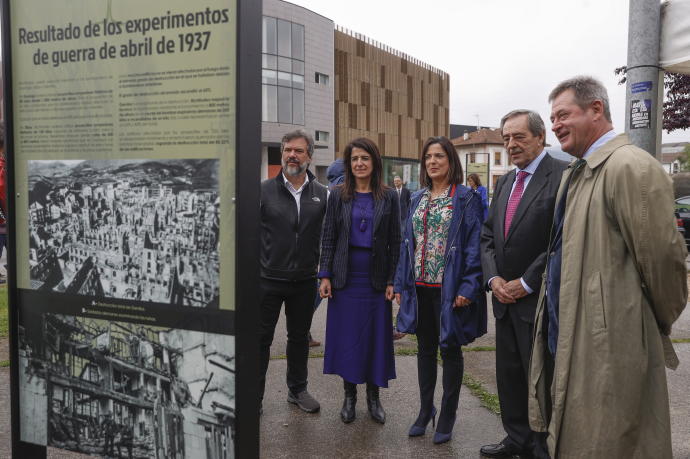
{"x": 293, "y": 169}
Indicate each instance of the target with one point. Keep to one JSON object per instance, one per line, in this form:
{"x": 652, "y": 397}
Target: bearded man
{"x": 293, "y": 205}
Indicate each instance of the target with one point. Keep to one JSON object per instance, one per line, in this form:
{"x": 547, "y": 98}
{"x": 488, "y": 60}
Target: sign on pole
{"x": 125, "y": 192}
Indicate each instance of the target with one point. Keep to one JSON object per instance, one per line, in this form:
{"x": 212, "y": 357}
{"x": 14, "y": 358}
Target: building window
{"x": 270, "y": 36}
{"x": 473, "y": 157}
{"x": 284, "y": 38}
{"x": 284, "y": 105}
{"x": 497, "y": 158}
{"x": 297, "y": 41}
{"x": 321, "y": 78}
{"x": 321, "y": 136}
{"x": 282, "y": 74}
{"x": 494, "y": 180}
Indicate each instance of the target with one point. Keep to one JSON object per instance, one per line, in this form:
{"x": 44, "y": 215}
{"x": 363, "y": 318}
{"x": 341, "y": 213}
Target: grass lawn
{"x": 3, "y": 311}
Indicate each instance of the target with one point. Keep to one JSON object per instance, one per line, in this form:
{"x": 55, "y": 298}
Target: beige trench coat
{"x": 609, "y": 393}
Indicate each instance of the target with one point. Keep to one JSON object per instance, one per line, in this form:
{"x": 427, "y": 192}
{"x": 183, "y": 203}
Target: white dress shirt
{"x": 296, "y": 193}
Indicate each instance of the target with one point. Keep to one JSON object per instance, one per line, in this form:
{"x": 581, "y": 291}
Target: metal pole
{"x": 644, "y": 91}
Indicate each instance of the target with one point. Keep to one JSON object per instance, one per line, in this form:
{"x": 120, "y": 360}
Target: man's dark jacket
{"x": 523, "y": 252}
{"x": 290, "y": 242}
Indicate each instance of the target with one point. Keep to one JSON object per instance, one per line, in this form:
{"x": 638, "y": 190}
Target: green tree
{"x": 684, "y": 159}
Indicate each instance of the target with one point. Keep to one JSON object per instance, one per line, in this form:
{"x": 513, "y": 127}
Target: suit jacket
{"x": 404, "y": 202}
{"x": 335, "y": 240}
{"x": 523, "y": 252}
{"x": 485, "y": 200}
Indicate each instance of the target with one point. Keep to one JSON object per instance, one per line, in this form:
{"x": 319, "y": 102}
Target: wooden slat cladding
{"x": 361, "y": 48}
{"x": 365, "y": 88}
{"x": 352, "y": 115}
{"x": 386, "y": 96}
{"x": 410, "y": 97}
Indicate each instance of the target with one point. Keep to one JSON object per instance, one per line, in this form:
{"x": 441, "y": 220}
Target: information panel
{"x": 124, "y": 213}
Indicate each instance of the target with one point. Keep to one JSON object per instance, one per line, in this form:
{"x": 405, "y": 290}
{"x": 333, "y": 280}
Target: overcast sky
{"x": 501, "y": 54}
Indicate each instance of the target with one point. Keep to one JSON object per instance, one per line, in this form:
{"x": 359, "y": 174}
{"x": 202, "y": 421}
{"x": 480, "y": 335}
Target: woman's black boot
{"x": 347, "y": 414}
{"x": 374, "y": 404}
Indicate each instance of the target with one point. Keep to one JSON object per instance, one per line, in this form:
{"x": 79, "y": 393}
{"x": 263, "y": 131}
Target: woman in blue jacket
{"x": 360, "y": 244}
{"x": 438, "y": 282}
{"x": 474, "y": 182}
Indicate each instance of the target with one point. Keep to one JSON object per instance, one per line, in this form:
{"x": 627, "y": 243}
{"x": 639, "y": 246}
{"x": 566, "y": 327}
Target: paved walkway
{"x": 287, "y": 432}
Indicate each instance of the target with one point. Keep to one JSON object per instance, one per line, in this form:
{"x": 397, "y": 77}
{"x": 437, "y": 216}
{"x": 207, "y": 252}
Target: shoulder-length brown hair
{"x": 455, "y": 169}
{"x": 475, "y": 178}
{"x": 377, "y": 185}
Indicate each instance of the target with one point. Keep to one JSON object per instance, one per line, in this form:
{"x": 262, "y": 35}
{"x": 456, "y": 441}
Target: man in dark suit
{"x": 515, "y": 240}
{"x": 403, "y": 197}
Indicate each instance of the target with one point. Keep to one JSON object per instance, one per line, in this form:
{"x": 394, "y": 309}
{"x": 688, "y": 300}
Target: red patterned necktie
{"x": 514, "y": 200}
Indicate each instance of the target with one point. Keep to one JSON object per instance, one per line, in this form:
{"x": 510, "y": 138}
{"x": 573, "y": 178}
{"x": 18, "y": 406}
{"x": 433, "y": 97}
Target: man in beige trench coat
{"x": 615, "y": 282}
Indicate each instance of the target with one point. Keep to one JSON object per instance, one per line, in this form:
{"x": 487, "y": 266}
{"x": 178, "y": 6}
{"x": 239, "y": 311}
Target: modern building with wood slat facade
{"x": 387, "y": 96}
{"x": 392, "y": 98}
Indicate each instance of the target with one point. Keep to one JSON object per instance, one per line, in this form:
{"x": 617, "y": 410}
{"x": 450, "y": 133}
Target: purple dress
{"x": 359, "y": 327}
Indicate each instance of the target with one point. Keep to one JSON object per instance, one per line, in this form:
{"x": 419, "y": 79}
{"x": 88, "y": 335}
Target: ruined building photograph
{"x": 143, "y": 230}
{"x": 123, "y": 390}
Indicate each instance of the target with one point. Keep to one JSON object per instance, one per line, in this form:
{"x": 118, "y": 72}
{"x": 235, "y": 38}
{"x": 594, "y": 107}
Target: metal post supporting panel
{"x": 644, "y": 92}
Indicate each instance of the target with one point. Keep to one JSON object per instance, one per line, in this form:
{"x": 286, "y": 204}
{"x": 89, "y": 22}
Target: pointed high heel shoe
{"x": 419, "y": 428}
{"x": 440, "y": 437}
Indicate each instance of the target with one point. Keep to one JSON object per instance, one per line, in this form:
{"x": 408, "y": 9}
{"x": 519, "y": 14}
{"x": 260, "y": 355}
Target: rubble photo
{"x": 123, "y": 390}
{"x": 144, "y": 230}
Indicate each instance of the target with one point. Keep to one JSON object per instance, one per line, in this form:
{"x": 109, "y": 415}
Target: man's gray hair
{"x": 534, "y": 122}
{"x": 586, "y": 89}
{"x": 298, "y": 134}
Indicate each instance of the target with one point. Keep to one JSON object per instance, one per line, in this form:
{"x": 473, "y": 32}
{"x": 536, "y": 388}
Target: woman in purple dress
{"x": 360, "y": 246}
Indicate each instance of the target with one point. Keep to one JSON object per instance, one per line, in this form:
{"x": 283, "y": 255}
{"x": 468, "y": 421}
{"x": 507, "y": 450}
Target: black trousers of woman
{"x": 428, "y": 332}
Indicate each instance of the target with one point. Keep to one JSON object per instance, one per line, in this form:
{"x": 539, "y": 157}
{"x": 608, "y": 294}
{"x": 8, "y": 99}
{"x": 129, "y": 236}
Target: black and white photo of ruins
{"x": 144, "y": 230}
{"x": 122, "y": 390}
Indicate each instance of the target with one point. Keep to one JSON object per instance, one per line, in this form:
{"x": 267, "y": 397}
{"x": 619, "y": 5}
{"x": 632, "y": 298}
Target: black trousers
{"x": 513, "y": 348}
{"x": 299, "y": 309}
{"x": 428, "y": 332}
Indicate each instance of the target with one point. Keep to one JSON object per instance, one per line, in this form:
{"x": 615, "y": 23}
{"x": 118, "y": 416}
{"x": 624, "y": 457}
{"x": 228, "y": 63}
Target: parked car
{"x": 683, "y": 202}
{"x": 680, "y": 226}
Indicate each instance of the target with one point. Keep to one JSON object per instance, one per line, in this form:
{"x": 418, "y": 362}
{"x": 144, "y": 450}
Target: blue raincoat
{"x": 462, "y": 274}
